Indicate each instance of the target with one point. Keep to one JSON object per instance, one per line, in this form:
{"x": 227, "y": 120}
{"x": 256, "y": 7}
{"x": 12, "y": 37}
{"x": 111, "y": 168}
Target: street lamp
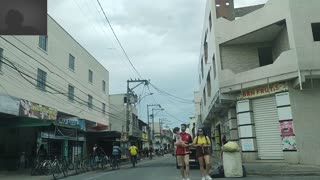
{"x": 144, "y": 96}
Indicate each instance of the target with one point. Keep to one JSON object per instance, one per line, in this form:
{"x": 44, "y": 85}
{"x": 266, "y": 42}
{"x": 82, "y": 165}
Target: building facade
{"x": 52, "y": 91}
{"x": 259, "y": 78}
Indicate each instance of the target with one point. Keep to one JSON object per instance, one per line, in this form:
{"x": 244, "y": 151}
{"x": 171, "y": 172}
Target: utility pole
{"x": 149, "y": 131}
{"x": 129, "y": 94}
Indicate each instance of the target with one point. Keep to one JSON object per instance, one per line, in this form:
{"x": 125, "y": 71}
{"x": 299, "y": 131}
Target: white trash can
{"x": 232, "y": 164}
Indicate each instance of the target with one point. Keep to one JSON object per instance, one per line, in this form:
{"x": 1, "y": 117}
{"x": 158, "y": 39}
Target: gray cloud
{"x": 162, "y": 39}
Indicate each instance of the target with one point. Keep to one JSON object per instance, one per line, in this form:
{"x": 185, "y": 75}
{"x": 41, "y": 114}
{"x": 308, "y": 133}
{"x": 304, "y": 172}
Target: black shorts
{"x": 200, "y": 152}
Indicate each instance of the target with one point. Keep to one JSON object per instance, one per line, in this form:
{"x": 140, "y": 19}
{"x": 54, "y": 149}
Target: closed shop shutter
{"x": 267, "y": 128}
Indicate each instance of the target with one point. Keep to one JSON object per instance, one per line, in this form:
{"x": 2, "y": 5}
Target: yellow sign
{"x": 263, "y": 91}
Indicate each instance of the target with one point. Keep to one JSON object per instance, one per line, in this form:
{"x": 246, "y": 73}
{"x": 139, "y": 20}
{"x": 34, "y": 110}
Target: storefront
{"x": 265, "y": 123}
{"x": 64, "y": 138}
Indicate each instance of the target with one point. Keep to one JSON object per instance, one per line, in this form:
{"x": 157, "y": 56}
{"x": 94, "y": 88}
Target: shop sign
{"x": 286, "y": 128}
{"x": 34, "y": 110}
{"x": 289, "y": 143}
{"x": 288, "y": 136}
{"x": 71, "y": 121}
{"x": 9, "y": 105}
{"x": 263, "y": 91}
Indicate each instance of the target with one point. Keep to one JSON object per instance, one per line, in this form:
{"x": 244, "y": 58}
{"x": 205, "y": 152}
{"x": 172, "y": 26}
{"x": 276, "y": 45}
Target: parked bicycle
{"x": 81, "y": 164}
{"x": 57, "y": 169}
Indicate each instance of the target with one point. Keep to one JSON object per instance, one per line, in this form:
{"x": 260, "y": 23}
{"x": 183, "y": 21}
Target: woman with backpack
{"x": 203, "y": 146}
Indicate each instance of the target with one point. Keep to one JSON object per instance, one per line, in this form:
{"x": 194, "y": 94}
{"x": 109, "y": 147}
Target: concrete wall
{"x": 305, "y": 105}
{"x": 303, "y": 14}
{"x": 55, "y": 62}
{"x": 281, "y": 43}
{"x": 118, "y": 109}
{"x": 239, "y": 58}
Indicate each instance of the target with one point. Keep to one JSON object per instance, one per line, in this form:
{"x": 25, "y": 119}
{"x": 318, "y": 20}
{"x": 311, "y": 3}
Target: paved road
{"x": 160, "y": 169}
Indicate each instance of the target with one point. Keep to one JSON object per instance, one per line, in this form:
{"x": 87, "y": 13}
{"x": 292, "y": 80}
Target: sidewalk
{"x": 25, "y": 174}
{"x": 281, "y": 169}
{"x": 272, "y": 168}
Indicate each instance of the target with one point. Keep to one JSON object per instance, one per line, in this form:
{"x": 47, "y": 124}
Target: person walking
{"x": 183, "y": 152}
{"x": 203, "y": 151}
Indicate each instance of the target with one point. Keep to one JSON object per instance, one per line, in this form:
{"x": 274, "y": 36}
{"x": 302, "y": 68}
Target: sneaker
{"x": 208, "y": 177}
{"x": 203, "y": 178}
{"x": 188, "y": 179}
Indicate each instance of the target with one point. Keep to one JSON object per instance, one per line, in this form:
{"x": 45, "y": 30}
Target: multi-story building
{"x": 118, "y": 122}
{"x": 259, "y": 78}
{"x": 50, "y": 87}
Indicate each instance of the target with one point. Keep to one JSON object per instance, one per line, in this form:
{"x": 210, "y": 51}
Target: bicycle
{"x": 56, "y": 168}
{"x": 134, "y": 160}
{"x": 114, "y": 163}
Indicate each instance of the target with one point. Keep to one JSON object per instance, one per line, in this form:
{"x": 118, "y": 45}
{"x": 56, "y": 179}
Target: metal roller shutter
{"x": 267, "y": 126}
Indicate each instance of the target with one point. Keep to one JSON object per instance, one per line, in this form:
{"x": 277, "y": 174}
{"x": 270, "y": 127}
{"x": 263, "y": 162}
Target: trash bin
{"x": 232, "y": 161}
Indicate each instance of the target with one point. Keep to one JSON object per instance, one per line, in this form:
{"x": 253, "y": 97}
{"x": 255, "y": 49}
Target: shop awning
{"x": 19, "y": 122}
{"x": 10, "y": 121}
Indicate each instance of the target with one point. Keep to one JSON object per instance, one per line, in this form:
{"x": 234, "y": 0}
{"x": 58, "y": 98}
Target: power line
{"x": 119, "y": 41}
{"x": 53, "y": 72}
{"x": 25, "y": 75}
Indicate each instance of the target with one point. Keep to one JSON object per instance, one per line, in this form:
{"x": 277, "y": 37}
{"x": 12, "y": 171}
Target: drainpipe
{"x": 311, "y": 78}
{"x": 300, "y": 80}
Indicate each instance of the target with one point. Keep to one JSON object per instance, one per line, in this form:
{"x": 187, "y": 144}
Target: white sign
{"x": 247, "y": 145}
{"x": 9, "y": 105}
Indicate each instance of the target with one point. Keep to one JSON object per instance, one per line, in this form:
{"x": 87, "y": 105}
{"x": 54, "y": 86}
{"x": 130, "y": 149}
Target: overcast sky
{"x": 162, "y": 38}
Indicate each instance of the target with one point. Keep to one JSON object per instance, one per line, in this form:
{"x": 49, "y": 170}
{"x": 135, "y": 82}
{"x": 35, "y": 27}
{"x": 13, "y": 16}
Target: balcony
{"x": 257, "y": 58}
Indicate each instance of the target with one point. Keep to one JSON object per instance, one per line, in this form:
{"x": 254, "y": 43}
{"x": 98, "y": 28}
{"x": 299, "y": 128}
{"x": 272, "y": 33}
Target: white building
{"x": 49, "y": 80}
{"x": 259, "y": 75}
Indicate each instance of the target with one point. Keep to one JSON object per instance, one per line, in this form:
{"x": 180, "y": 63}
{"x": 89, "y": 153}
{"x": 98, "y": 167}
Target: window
{"x": 202, "y": 67}
{"x": 71, "y": 93}
{"x": 1, "y": 56}
{"x": 204, "y": 97}
{"x": 316, "y": 31}
{"x": 214, "y": 66}
{"x": 265, "y": 56}
{"x": 205, "y": 46}
{"x": 209, "y": 85}
{"x": 104, "y": 86}
{"x": 103, "y": 108}
{"x": 90, "y": 76}
{"x": 43, "y": 42}
{"x": 210, "y": 21}
{"x": 90, "y": 101}
{"x": 41, "y": 80}
{"x": 71, "y": 62}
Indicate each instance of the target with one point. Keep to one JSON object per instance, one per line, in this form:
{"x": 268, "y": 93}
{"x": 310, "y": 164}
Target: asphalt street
{"x": 161, "y": 168}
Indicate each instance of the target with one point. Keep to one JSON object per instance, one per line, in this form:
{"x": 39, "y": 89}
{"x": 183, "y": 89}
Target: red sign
{"x": 38, "y": 111}
{"x": 286, "y": 128}
{"x": 262, "y": 91}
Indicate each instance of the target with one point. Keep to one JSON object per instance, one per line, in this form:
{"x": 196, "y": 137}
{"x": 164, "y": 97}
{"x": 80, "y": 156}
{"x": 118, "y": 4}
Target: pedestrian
{"x": 182, "y": 152}
{"x": 203, "y": 151}
{"x": 133, "y": 150}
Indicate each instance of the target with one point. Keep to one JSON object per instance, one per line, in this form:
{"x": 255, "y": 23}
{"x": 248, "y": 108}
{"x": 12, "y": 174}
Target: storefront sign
{"x": 288, "y": 136}
{"x": 263, "y": 91}
{"x": 289, "y": 143}
{"x": 286, "y": 128}
{"x": 247, "y": 145}
{"x": 34, "y": 110}
{"x": 9, "y": 105}
{"x": 71, "y": 121}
